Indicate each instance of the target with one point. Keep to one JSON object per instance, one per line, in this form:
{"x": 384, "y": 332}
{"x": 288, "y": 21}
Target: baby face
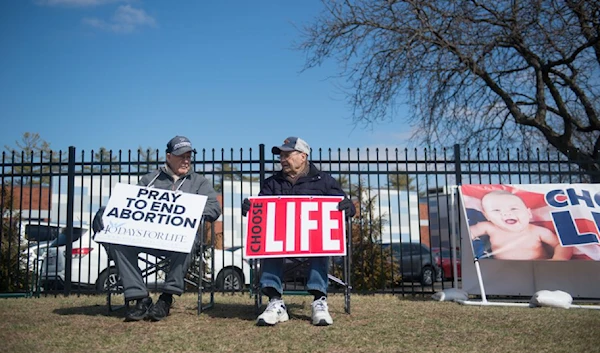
{"x": 506, "y": 211}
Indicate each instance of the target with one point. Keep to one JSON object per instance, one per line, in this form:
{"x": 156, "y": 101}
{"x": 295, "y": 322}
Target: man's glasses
{"x": 184, "y": 156}
{"x": 286, "y": 155}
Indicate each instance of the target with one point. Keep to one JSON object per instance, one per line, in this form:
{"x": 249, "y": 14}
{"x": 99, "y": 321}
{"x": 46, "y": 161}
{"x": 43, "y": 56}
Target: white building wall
{"x": 234, "y": 225}
{"x": 400, "y": 210}
{"x": 85, "y": 206}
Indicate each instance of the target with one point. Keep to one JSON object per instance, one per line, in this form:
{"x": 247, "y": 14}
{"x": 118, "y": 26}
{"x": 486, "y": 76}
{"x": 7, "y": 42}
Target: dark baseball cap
{"x": 179, "y": 145}
{"x": 292, "y": 143}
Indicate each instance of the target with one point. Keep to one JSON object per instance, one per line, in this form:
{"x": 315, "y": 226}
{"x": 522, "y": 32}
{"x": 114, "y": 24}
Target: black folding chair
{"x": 298, "y": 265}
{"x": 203, "y": 248}
{"x": 197, "y": 274}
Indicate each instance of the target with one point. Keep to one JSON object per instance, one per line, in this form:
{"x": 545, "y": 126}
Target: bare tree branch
{"x": 474, "y": 72}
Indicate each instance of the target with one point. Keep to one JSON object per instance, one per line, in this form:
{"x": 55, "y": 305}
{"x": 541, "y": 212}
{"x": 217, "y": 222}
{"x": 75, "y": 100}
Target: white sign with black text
{"x": 152, "y": 218}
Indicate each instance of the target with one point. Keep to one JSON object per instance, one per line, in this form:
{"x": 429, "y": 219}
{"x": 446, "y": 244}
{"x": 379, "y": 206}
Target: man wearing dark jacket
{"x": 176, "y": 174}
{"x": 298, "y": 176}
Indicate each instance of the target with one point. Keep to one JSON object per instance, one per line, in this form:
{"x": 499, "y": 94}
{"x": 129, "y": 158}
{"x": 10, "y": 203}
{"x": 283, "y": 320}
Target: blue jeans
{"x": 272, "y": 273}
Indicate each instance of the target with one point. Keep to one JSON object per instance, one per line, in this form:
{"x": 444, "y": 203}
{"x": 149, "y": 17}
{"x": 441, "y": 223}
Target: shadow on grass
{"x": 414, "y": 299}
{"x": 246, "y": 312}
{"x": 90, "y": 310}
{"x": 295, "y": 315}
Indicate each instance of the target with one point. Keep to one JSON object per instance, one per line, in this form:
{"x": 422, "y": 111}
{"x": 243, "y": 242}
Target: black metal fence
{"x": 403, "y": 196}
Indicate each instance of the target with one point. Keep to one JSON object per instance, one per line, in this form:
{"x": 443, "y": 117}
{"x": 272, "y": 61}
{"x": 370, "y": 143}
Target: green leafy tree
{"x": 34, "y": 160}
{"x": 105, "y": 161}
{"x": 480, "y": 73}
{"x": 148, "y": 159}
{"x": 372, "y": 268}
{"x": 108, "y": 161}
{"x": 344, "y": 182}
{"x": 400, "y": 182}
{"x": 12, "y": 274}
{"x": 227, "y": 171}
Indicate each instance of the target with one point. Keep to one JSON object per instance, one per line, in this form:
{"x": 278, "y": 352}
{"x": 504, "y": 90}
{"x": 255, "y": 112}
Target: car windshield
{"x": 395, "y": 248}
{"x": 62, "y": 237}
{"x": 407, "y": 248}
{"x": 233, "y": 248}
{"x": 446, "y": 253}
{"x": 41, "y": 232}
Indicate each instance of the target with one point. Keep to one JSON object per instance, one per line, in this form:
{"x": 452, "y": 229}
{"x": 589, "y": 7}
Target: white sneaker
{"x": 320, "y": 313}
{"x": 274, "y": 313}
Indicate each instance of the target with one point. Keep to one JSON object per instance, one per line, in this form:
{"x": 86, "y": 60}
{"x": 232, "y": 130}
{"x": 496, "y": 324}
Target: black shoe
{"x": 140, "y": 311}
{"x": 160, "y": 309}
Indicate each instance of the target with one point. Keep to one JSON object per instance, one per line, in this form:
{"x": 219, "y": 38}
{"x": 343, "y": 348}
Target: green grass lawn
{"x": 379, "y": 323}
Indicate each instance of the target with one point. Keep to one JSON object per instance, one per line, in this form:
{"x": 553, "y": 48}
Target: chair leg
{"x": 346, "y": 283}
{"x": 201, "y": 280}
{"x": 113, "y": 288}
{"x": 347, "y": 299}
{"x": 202, "y": 247}
{"x": 255, "y": 286}
{"x": 257, "y": 302}
{"x": 348, "y": 266}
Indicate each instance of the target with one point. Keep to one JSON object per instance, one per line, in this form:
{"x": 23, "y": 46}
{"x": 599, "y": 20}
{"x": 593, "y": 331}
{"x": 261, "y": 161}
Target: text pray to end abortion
{"x": 152, "y": 206}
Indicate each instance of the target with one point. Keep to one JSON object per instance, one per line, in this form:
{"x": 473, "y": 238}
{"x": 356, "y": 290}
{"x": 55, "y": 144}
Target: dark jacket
{"x": 315, "y": 183}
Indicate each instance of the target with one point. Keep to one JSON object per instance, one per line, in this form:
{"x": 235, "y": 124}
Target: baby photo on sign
{"x": 509, "y": 222}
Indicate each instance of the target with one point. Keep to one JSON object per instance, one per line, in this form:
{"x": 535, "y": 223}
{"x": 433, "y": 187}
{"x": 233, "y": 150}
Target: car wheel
{"x": 427, "y": 276}
{"x": 229, "y": 279}
{"x": 109, "y": 279}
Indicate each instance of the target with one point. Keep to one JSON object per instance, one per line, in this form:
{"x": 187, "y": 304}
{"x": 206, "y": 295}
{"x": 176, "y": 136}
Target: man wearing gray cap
{"x": 175, "y": 174}
{"x": 298, "y": 176}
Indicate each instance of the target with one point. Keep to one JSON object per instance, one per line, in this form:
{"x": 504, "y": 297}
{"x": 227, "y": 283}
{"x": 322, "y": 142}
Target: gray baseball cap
{"x": 292, "y": 143}
{"x": 179, "y": 145}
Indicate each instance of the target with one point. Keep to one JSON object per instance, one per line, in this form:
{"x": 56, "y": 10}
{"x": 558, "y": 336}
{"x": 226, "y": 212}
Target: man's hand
{"x": 245, "y": 207}
{"x": 97, "y": 224}
{"x": 347, "y": 206}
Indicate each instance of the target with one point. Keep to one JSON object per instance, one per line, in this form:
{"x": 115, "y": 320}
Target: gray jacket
{"x": 192, "y": 183}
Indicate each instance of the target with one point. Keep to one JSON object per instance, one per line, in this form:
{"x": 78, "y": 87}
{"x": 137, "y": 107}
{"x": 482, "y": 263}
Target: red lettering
{"x": 295, "y": 226}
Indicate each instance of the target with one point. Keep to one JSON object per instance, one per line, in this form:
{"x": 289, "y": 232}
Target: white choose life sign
{"x": 152, "y": 218}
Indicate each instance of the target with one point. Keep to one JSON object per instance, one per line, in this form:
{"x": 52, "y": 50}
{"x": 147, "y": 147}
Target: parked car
{"x": 40, "y": 237}
{"x": 417, "y": 262}
{"x": 90, "y": 267}
{"x": 232, "y": 271}
{"x": 444, "y": 261}
{"x": 38, "y": 230}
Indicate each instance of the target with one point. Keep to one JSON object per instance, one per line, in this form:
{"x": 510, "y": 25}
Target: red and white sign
{"x": 295, "y": 226}
{"x": 533, "y": 221}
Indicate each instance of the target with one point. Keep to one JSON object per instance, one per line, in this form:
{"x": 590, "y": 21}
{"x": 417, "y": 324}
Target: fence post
{"x": 261, "y": 157}
{"x": 70, "y": 210}
{"x": 255, "y": 274}
{"x": 457, "y": 165}
{"x": 456, "y": 215}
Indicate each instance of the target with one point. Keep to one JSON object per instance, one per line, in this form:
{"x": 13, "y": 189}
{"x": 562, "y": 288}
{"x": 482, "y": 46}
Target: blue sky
{"x": 123, "y": 74}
